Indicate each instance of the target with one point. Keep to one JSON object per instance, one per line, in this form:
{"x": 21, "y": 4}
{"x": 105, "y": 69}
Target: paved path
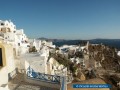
{"x": 18, "y": 84}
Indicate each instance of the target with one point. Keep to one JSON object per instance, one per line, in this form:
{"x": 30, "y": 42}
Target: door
{"x": 1, "y": 61}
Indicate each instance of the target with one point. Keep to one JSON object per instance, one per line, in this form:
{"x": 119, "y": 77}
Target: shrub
{"x": 32, "y": 49}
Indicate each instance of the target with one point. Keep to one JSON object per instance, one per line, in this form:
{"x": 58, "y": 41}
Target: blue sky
{"x": 64, "y": 19}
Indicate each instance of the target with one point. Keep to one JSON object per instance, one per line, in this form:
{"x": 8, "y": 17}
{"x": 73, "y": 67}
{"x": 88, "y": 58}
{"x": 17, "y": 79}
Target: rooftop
{"x": 36, "y": 61}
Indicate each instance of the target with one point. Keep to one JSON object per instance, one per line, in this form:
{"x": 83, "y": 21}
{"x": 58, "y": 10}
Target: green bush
{"x": 32, "y": 49}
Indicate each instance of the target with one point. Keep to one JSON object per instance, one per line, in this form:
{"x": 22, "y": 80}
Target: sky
{"x": 64, "y": 19}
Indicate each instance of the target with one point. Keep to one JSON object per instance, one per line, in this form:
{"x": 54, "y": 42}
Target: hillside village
{"x": 32, "y": 64}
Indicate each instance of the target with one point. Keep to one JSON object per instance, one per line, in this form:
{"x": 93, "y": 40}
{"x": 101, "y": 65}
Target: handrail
{"x": 61, "y": 80}
{"x": 43, "y": 77}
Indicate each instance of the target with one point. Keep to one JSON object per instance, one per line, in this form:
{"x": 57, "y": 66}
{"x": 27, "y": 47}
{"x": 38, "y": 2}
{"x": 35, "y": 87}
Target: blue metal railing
{"x": 41, "y": 76}
{"x": 63, "y": 84}
{"x": 47, "y": 78}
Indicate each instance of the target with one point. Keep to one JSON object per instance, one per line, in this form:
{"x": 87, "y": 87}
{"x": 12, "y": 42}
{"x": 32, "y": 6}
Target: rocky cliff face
{"x": 105, "y": 55}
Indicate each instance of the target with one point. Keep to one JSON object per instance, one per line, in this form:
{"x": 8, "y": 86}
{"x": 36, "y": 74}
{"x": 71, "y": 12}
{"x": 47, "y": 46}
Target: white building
{"x": 21, "y": 42}
{"x": 118, "y": 53}
{"x": 36, "y": 43}
{"x": 9, "y": 34}
{"x": 7, "y": 65}
{"x": 40, "y": 43}
{"x": 7, "y": 30}
{"x": 35, "y": 61}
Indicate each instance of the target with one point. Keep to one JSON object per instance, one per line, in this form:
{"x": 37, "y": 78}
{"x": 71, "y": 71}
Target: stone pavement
{"x": 18, "y": 84}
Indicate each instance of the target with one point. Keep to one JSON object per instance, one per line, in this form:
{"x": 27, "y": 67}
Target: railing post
{"x": 63, "y": 83}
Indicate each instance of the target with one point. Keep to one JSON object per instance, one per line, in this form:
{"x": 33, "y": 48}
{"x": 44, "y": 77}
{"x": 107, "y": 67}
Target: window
{"x": 2, "y": 24}
{"x": 52, "y": 67}
{"x": 28, "y": 45}
{"x": 1, "y": 61}
{"x": 18, "y": 44}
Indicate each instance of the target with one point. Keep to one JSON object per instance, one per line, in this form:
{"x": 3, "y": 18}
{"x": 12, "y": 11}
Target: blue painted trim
{"x": 43, "y": 77}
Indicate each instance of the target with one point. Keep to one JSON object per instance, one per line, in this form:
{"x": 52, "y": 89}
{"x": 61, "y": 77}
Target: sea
{"x": 109, "y": 42}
